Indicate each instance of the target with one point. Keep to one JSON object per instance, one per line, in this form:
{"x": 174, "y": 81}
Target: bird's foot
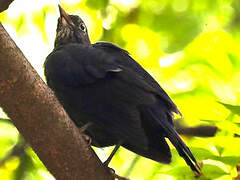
{"x": 106, "y": 163}
{"x": 115, "y": 175}
{"x": 87, "y": 139}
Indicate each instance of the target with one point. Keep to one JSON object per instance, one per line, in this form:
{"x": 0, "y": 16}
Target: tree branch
{"x": 41, "y": 120}
{"x": 201, "y": 131}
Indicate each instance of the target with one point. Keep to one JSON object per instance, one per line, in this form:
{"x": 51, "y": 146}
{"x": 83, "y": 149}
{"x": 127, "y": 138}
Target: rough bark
{"x": 41, "y": 120}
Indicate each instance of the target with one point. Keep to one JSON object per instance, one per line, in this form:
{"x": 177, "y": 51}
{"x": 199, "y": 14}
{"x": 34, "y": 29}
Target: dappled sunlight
{"x": 223, "y": 91}
{"x": 143, "y": 46}
{"x": 109, "y": 17}
{"x": 125, "y": 5}
{"x": 168, "y": 60}
{"x": 12, "y": 164}
{"x": 180, "y": 5}
{"x": 181, "y": 82}
{"x": 191, "y": 47}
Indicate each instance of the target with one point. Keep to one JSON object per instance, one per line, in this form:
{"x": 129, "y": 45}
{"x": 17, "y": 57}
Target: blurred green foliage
{"x": 192, "y": 47}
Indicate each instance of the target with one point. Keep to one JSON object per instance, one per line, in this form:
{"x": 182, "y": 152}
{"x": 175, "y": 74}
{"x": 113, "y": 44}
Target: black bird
{"x": 110, "y": 96}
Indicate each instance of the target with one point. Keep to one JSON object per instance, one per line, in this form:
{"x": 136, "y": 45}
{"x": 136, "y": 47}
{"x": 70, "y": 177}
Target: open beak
{"x": 65, "y": 18}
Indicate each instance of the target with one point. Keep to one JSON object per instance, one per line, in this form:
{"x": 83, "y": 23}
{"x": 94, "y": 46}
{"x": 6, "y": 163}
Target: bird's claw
{"x": 87, "y": 139}
{"x": 112, "y": 171}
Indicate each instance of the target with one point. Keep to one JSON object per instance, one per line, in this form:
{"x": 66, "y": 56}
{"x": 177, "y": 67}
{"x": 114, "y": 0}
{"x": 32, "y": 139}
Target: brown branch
{"x": 41, "y": 120}
{"x": 201, "y": 131}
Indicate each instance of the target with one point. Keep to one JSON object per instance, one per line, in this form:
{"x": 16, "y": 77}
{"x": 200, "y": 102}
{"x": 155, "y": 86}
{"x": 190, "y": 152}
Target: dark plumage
{"x": 102, "y": 84}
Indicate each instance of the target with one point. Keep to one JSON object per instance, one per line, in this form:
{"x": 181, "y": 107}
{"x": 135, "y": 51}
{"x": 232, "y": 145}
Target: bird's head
{"x": 71, "y": 29}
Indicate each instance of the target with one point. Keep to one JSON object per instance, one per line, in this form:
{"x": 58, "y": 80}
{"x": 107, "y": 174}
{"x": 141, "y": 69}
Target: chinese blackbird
{"x": 109, "y": 95}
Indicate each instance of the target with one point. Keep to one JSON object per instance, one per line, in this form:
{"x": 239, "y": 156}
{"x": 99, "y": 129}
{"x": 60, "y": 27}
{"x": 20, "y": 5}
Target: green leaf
{"x": 234, "y": 60}
{"x": 202, "y": 154}
{"x": 182, "y": 172}
{"x": 132, "y": 165}
{"x": 211, "y": 171}
{"x": 231, "y": 160}
{"x": 100, "y": 4}
{"x": 233, "y": 108}
{"x": 238, "y": 124}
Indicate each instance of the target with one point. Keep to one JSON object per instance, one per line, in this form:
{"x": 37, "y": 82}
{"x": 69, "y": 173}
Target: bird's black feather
{"x": 100, "y": 83}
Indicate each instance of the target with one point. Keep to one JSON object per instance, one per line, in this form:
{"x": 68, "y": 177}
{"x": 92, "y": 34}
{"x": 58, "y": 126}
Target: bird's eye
{"x": 82, "y": 27}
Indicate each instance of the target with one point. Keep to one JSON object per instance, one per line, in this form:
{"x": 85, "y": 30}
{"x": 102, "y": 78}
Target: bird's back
{"x": 104, "y": 85}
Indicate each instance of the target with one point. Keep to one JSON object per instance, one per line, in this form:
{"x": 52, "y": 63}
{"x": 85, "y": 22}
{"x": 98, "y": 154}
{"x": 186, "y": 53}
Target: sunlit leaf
{"x": 231, "y": 160}
{"x": 101, "y": 4}
{"x": 191, "y": 47}
{"x": 132, "y": 164}
{"x": 39, "y": 18}
{"x": 233, "y": 108}
{"x": 211, "y": 171}
{"x": 202, "y": 154}
{"x": 180, "y": 172}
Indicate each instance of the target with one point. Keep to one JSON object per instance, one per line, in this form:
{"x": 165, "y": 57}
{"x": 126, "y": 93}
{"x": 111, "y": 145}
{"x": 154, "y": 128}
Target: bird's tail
{"x": 163, "y": 119}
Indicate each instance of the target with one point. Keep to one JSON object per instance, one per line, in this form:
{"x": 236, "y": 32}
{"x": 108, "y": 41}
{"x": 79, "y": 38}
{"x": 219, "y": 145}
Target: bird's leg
{"x": 84, "y": 127}
{"x": 106, "y": 163}
{"x": 117, "y": 176}
{"x": 86, "y": 137}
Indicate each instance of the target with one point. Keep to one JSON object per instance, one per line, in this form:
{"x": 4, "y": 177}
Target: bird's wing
{"x": 128, "y": 61}
{"x": 76, "y": 65}
{"x": 104, "y": 80}
{"x": 158, "y": 111}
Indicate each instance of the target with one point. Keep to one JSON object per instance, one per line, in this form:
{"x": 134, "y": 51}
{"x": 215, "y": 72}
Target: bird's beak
{"x": 65, "y": 18}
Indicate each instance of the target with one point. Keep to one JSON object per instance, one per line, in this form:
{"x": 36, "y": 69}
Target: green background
{"x": 191, "y": 47}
